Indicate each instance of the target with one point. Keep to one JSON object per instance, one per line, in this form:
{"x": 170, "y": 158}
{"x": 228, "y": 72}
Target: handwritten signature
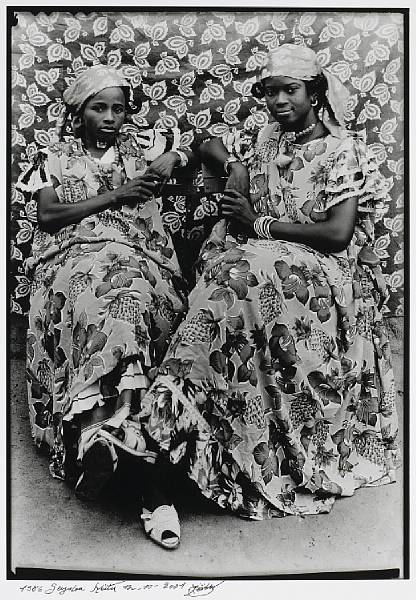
{"x": 190, "y": 590}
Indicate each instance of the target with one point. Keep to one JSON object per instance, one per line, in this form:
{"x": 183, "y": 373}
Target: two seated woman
{"x": 276, "y": 392}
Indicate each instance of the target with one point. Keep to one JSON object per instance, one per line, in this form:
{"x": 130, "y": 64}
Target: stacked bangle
{"x": 262, "y": 227}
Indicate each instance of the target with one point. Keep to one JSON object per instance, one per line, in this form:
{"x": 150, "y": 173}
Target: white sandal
{"x": 162, "y": 526}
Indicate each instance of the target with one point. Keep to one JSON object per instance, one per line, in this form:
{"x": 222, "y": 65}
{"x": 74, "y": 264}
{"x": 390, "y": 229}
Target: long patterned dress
{"x": 106, "y": 296}
{"x": 277, "y": 392}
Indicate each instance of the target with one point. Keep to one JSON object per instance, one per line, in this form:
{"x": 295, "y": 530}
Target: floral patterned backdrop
{"x": 196, "y": 70}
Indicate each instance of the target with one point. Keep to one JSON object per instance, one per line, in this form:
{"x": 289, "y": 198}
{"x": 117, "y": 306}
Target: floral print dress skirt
{"x": 106, "y": 296}
{"x": 277, "y": 393}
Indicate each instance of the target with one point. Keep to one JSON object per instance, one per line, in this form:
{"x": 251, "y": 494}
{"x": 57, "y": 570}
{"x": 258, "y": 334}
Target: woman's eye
{"x": 118, "y": 110}
{"x": 291, "y": 90}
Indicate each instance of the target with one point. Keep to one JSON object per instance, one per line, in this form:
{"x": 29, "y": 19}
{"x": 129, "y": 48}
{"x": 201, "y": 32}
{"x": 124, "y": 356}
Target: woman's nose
{"x": 281, "y": 98}
{"x": 109, "y": 116}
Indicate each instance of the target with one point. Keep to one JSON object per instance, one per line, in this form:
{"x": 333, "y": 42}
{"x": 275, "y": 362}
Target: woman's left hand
{"x": 237, "y": 207}
{"x": 163, "y": 166}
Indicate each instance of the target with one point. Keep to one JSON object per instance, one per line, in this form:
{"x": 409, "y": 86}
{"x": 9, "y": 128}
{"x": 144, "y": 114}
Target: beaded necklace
{"x": 295, "y": 135}
{"x": 286, "y": 141}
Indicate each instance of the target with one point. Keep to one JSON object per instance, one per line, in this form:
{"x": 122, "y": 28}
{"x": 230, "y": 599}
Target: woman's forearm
{"x": 54, "y": 215}
{"x": 332, "y": 235}
{"x": 324, "y": 236}
{"x": 213, "y": 152}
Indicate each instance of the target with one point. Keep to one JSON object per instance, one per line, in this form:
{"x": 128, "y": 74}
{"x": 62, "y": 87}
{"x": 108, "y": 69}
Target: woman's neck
{"x": 96, "y": 150}
{"x": 308, "y": 133}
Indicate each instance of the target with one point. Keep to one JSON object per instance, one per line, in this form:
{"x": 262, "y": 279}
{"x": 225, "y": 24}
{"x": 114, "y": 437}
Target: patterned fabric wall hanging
{"x": 196, "y": 70}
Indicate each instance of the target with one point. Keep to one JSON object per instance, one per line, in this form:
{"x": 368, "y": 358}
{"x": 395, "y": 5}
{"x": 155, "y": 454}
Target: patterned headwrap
{"x": 87, "y": 84}
{"x": 301, "y": 62}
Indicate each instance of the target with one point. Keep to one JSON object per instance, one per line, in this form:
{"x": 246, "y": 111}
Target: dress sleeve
{"x": 352, "y": 172}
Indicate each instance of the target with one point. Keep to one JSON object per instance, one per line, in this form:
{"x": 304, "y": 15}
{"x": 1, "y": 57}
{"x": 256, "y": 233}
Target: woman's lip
{"x": 107, "y": 130}
{"x": 282, "y": 112}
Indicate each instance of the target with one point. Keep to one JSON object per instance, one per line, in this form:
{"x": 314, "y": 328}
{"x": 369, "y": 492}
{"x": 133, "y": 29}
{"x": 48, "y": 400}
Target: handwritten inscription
{"x": 188, "y": 589}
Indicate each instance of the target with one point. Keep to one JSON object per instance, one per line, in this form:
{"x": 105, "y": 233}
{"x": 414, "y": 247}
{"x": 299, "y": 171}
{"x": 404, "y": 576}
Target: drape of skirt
{"x": 277, "y": 393}
{"x": 103, "y": 308}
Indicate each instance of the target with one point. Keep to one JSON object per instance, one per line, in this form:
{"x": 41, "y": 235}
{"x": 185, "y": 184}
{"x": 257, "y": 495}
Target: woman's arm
{"x": 214, "y": 153}
{"x": 332, "y": 235}
{"x": 164, "y": 164}
{"x": 54, "y": 215}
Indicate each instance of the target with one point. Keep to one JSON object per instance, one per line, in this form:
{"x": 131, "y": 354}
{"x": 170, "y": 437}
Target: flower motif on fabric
{"x": 321, "y": 303}
{"x": 86, "y": 340}
{"x": 294, "y": 282}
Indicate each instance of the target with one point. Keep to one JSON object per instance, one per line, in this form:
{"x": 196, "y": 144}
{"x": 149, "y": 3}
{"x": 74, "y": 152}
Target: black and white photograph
{"x": 207, "y": 295}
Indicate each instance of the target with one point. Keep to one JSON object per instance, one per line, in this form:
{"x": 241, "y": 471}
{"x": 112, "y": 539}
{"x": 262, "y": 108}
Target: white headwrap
{"x": 301, "y": 62}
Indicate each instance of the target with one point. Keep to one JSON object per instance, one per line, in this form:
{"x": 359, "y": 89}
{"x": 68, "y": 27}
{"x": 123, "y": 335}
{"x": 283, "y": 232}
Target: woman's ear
{"x": 257, "y": 90}
{"x": 77, "y": 122}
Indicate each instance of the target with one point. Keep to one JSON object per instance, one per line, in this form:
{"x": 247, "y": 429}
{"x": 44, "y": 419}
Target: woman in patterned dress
{"x": 107, "y": 290}
{"x": 277, "y": 392}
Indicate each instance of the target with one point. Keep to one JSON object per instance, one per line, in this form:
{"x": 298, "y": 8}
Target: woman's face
{"x": 104, "y": 114}
{"x": 288, "y": 101}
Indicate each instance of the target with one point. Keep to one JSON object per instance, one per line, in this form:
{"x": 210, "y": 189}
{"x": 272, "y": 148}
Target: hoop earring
{"x": 314, "y": 103}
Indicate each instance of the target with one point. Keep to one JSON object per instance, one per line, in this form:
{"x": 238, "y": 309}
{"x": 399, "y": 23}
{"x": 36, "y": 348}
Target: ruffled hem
{"x": 132, "y": 379}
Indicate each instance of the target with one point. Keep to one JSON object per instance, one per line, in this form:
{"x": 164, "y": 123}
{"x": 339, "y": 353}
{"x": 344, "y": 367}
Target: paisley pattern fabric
{"x": 194, "y": 70}
{"x": 106, "y": 295}
{"x": 277, "y": 393}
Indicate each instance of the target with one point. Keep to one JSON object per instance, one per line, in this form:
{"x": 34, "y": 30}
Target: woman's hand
{"x": 163, "y": 166}
{"x": 237, "y": 207}
{"x": 139, "y": 189}
{"x": 238, "y": 179}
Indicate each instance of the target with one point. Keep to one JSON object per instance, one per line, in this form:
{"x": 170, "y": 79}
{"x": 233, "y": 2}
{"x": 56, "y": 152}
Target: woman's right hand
{"x": 140, "y": 189}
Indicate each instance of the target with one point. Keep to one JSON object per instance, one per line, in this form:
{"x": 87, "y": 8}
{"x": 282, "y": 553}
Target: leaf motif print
{"x": 213, "y": 32}
{"x": 57, "y": 53}
{"x": 351, "y": 46}
{"x": 92, "y": 53}
{"x": 36, "y": 97}
{"x": 269, "y": 38}
{"x": 305, "y": 24}
{"x": 100, "y": 26}
{"x": 223, "y": 72}
{"x": 201, "y": 119}
{"x": 178, "y": 45}
{"x": 212, "y": 91}
{"x": 186, "y": 26}
{"x": 47, "y": 78}
{"x": 73, "y": 31}
{"x": 249, "y": 28}
{"x": 49, "y": 50}
{"x": 232, "y": 51}
{"x": 36, "y": 37}
{"x": 27, "y": 117}
{"x": 121, "y": 33}
{"x": 365, "y": 83}
{"x": 141, "y": 53}
{"x": 167, "y": 64}
{"x": 201, "y": 62}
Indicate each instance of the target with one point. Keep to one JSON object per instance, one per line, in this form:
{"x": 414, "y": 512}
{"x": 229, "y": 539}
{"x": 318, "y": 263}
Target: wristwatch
{"x": 229, "y": 160}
